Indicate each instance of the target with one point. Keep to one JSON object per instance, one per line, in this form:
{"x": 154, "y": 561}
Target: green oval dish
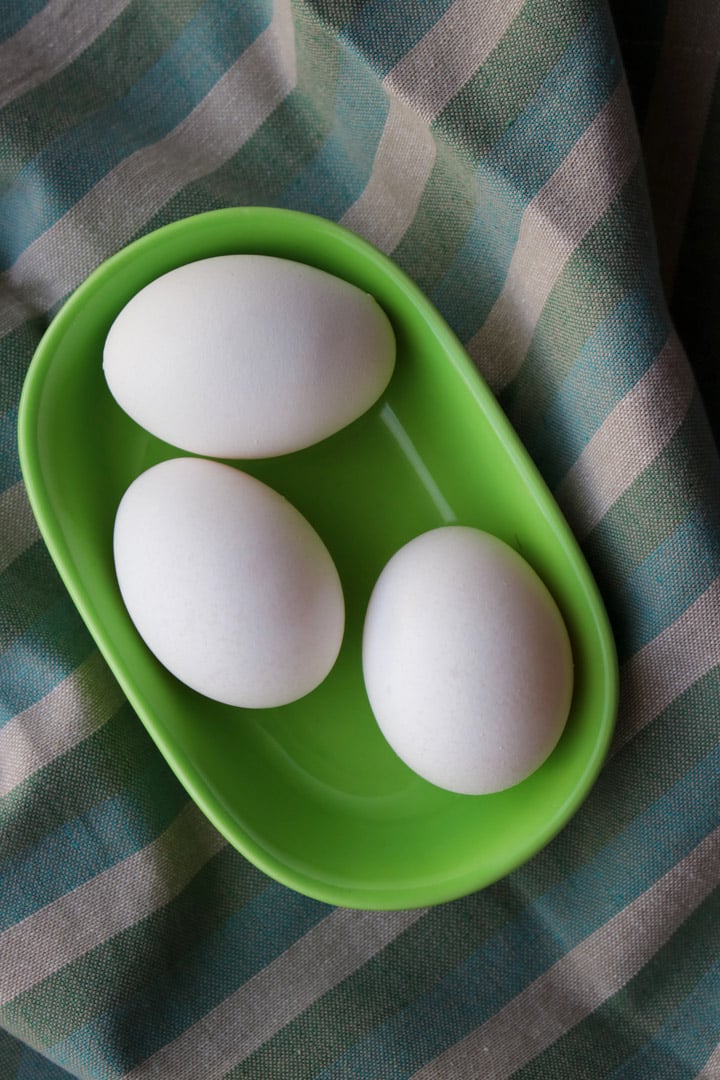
{"x": 310, "y": 792}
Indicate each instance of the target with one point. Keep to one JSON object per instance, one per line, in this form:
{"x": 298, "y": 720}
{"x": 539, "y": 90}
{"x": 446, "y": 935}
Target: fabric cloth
{"x": 548, "y": 172}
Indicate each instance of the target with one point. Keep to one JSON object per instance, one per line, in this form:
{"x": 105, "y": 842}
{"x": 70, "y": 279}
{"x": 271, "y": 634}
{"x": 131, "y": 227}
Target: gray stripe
{"x": 676, "y": 119}
{"x": 18, "y": 528}
{"x": 403, "y": 163}
{"x": 670, "y": 664}
{"x": 267, "y": 1002}
{"x": 711, "y": 1068}
{"x": 420, "y": 85}
{"x": 120, "y": 897}
{"x": 50, "y": 41}
{"x": 629, "y": 439}
{"x": 433, "y": 72}
{"x": 585, "y": 977}
{"x": 555, "y": 221}
{"x": 66, "y": 716}
{"x": 217, "y": 127}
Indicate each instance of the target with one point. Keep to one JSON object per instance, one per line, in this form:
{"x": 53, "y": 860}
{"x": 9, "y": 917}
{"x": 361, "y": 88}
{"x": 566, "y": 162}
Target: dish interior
{"x": 310, "y": 792}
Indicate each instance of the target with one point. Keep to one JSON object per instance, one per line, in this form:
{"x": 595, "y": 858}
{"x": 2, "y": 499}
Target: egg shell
{"x": 467, "y": 661}
{"x": 227, "y": 583}
{"x": 248, "y": 356}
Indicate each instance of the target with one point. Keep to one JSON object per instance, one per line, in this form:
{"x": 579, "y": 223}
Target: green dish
{"x": 310, "y": 792}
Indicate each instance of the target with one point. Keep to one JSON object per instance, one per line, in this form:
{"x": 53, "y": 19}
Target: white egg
{"x": 467, "y": 661}
{"x": 228, "y": 584}
{"x": 246, "y": 356}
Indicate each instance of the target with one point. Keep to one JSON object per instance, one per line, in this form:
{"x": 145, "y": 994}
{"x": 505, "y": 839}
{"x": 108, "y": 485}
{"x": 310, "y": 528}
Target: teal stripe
{"x": 656, "y": 504}
{"x": 11, "y": 1052}
{"x": 28, "y": 589}
{"x": 383, "y": 31}
{"x": 86, "y": 846}
{"x": 84, "y": 86}
{"x": 517, "y": 167}
{"x": 114, "y": 970}
{"x": 42, "y": 657}
{"x": 636, "y": 1013}
{"x": 67, "y": 168}
{"x": 14, "y": 14}
{"x": 567, "y": 914}
{"x": 200, "y": 979}
{"x": 338, "y": 173}
{"x": 689, "y": 1034}
{"x": 667, "y": 583}
{"x": 112, "y": 756}
{"x": 632, "y": 336}
{"x": 34, "y": 1066}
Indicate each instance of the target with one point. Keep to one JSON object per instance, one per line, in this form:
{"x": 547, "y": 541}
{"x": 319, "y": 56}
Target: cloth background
{"x": 548, "y": 171}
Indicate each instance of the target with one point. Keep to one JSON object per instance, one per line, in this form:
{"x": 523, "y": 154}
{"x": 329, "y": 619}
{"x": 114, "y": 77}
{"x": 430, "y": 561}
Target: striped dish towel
{"x": 548, "y": 172}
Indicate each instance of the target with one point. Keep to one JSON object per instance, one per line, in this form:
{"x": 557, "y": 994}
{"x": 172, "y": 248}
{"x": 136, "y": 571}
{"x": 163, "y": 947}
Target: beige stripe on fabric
{"x": 51, "y": 40}
{"x": 267, "y": 1002}
{"x": 670, "y": 664}
{"x": 711, "y": 1068}
{"x": 116, "y": 899}
{"x": 554, "y": 223}
{"x": 420, "y": 85}
{"x": 584, "y": 978}
{"x": 433, "y": 72}
{"x": 246, "y": 95}
{"x": 629, "y": 439}
{"x": 676, "y": 119}
{"x": 62, "y": 719}
{"x": 403, "y": 163}
{"x": 18, "y": 528}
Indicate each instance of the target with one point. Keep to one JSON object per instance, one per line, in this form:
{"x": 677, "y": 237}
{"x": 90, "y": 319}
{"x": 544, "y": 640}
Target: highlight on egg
{"x": 227, "y": 583}
{"x": 248, "y": 356}
{"x": 467, "y": 661}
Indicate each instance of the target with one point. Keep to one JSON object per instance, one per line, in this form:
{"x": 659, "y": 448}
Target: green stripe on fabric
{"x": 68, "y": 787}
{"x": 651, "y": 763}
{"x": 287, "y": 141}
{"x": 450, "y": 203}
{"x": 336, "y": 177}
{"x": 441, "y": 938}
{"x": 27, "y": 590}
{"x": 61, "y": 638}
{"x": 658, "y": 758}
{"x": 249, "y": 947}
{"x": 498, "y": 92}
{"x": 655, "y": 504}
{"x": 621, "y": 1025}
{"x": 258, "y": 81}
{"x": 11, "y": 1052}
{"x": 34, "y": 1066}
{"x": 689, "y": 1033}
{"x": 430, "y": 245}
{"x": 579, "y": 921}
{"x": 382, "y": 33}
{"x": 103, "y": 73}
{"x": 156, "y": 104}
{"x": 609, "y": 262}
{"x": 114, "y": 972}
{"x": 335, "y": 14}
{"x": 82, "y": 850}
{"x": 16, "y": 15}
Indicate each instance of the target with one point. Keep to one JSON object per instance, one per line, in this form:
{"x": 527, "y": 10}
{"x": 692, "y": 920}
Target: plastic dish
{"x": 311, "y": 793}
